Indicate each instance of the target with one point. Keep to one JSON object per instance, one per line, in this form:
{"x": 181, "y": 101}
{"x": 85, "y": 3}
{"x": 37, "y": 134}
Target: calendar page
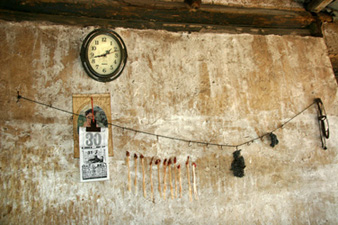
{"x": 93, "y": 155}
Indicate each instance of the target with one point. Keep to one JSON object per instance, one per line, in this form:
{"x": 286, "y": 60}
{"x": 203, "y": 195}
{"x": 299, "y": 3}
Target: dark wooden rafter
{"x": 174, "y": 16}
{"x": 318, "y": 5}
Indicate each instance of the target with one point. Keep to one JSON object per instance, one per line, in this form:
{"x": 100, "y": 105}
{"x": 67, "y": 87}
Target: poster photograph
{"x": 83, "y": 114}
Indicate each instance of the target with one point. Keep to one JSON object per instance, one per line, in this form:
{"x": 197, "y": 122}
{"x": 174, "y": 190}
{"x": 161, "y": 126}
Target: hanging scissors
{"x": 323, "y": 123}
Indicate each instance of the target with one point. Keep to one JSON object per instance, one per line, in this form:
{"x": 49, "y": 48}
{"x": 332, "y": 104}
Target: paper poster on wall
{"x": 93, "y": 155}
{"x": 83, "y": 114}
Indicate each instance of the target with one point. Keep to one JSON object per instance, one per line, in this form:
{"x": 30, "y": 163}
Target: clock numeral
{"x": 97, "y": 66}
{"x": 115, "y": 61}
{"x": 116, "y": 55}
{"x": 104, "y": 70}
{"x": 96, "y": 42}
{"x": 92, "y": 54}
{"x": 111, "y": 67}
{"x": 115, "y": 49}
{"x": 93, "y": 61}
{"x": 104, "y": 39}
{"x": 93, "y": 48}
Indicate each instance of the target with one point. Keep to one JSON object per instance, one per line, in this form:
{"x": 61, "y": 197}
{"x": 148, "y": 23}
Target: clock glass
{"x": 104, "y": 54}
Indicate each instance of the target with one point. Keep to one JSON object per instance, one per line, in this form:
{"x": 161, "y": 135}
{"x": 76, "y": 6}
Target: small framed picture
{"x": 83, "y": 114}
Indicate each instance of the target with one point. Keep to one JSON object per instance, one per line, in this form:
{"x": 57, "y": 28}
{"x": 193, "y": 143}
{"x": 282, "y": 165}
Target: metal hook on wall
{"x": 323, "y": 122}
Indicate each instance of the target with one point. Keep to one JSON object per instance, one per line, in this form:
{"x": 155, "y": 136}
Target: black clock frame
{"x": 85, "y": 60}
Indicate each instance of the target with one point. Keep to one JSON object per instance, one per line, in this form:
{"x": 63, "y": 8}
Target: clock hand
{"x": 97, "y": 56}
{"x": 109, "y": 52}
{"x": 105, "y": 54}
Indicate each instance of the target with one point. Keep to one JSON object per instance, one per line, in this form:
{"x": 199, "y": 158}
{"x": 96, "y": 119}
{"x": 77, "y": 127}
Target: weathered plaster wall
{"x": 210, "y": 87}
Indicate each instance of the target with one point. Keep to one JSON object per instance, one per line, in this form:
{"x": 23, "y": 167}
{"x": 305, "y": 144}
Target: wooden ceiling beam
{"x": 174, "y": 16}
{"x": 318, "y": 5}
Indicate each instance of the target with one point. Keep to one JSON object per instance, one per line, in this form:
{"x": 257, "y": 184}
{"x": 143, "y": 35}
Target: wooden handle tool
{"x": 135, "y": 181}
{"x": 164, "y": 178}
{"x": 143, "y": 177}
{"x": 175, "y": 177}
{"x": 179, "y": 179}
{"x": 170, "y": 180}
{"x": 151, "y": 178}
{"x": 129, "y": 178}
{"x": 157, "y": 162}
{"x": 189, "y": 182}
{"x": 194, "y": 179}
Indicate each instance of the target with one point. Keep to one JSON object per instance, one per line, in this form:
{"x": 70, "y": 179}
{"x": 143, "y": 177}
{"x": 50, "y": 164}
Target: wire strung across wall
{"x": 175, "y": 138}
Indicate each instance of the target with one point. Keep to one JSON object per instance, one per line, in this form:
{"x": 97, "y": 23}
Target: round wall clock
{"x": 103, "y": 55}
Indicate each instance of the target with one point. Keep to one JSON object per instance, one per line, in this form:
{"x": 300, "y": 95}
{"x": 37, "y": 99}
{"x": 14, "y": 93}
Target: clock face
{"x": 103, "y": 55}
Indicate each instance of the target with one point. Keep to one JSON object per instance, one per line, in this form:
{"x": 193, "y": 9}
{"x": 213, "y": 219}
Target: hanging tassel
{"x": 238, "y": 164}
{"x": 274, "y": 140}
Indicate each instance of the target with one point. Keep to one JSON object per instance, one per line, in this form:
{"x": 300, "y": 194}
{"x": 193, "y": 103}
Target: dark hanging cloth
{"x": 238, "y": 164}
{"x": 274, "y": 140}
